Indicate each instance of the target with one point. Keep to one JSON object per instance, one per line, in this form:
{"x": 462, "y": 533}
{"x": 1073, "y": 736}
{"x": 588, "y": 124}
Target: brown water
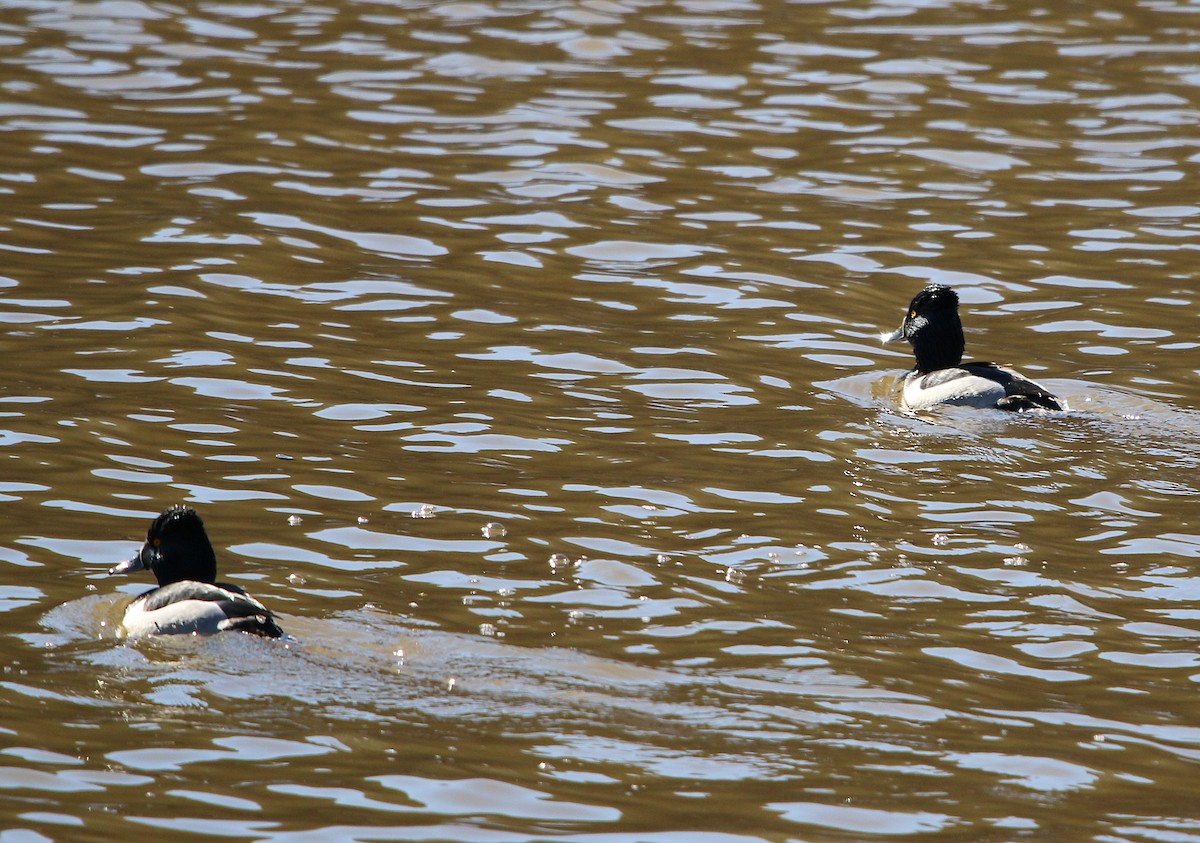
{"x": 596, "y": 287}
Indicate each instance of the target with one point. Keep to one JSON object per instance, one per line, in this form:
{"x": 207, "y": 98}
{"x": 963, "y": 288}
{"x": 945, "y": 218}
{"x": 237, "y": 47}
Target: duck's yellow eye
{"x": 912, "y": 314}
{"x": 157, "y": 542}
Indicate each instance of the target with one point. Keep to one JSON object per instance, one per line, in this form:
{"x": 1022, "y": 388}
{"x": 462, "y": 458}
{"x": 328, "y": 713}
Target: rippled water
{"x": 523, "y": 356}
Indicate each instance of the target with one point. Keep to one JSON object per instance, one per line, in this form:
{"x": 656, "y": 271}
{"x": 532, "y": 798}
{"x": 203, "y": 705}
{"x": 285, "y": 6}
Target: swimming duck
{"x": 940, "y": 377}
{"x": 188, "y": 601}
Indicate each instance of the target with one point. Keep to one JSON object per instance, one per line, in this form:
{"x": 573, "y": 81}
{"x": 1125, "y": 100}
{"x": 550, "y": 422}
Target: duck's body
{"x": 198, "y": 608}
{"x": 986, "y": 385}
{"x": 940, "y": 377}
{"x": 188, "y": 601}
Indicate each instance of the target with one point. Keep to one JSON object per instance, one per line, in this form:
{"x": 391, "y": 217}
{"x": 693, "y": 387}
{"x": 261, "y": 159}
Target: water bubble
{"x": 423, "y": 511}
{"x": 450, "y": 683}
{"x": 940, "y": 539}
{"x": 504, "y": 591}
{"x": 488, "y": 629}
{"x": 732, "y": 575}
{"x": 662, "y": 559}
{"x": 559, "y": 561}
{"x": 294, "y": 520}
{"x": 295, "y": 579}
{"x": 362, "y": 519}
{"x": 493, "y": 530}
{"x": 1015, "y": 561}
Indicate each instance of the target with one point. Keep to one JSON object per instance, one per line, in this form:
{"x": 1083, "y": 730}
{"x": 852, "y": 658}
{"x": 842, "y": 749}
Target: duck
{"x": 188, "y": 600}
{"x": 934, "y": 329}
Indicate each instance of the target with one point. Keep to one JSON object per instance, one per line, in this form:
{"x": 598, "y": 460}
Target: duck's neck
{"x": 195, "y": 563}
{"x": 940, "y": 344}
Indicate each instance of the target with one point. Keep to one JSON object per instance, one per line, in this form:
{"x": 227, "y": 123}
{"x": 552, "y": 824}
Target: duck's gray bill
{"x": 134, "y": 564}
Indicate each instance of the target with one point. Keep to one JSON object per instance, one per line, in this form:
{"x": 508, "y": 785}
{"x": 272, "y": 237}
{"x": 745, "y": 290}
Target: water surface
{"x": 523, "y": 356}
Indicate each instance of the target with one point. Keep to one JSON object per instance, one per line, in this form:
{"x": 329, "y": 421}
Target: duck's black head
{"x": 176, "y": 549}
{"x": 934, "y": 329}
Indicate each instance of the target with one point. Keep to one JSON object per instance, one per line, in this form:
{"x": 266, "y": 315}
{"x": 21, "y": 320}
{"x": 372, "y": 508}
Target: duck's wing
{"x": 941, "y": 377}
{"x": 1020, "y": 393}
{"x": 263, "y": 625}
{"x": 245, "y": 614}
{"x": 177, "y": 592}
